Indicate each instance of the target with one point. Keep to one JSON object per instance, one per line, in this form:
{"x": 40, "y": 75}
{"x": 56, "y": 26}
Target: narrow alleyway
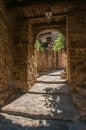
{"x": 46, "y": 106}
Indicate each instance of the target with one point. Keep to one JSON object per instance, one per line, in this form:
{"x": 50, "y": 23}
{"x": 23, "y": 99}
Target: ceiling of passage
{"x": 33, "y": 9}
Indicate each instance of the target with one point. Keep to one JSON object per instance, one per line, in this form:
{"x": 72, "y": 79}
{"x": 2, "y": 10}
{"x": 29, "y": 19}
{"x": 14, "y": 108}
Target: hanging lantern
{"x": 48, "y": 13}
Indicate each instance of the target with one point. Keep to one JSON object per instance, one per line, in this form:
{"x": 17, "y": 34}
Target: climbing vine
{"x": 39, "y": 46}
{"x": 59, "y": 42}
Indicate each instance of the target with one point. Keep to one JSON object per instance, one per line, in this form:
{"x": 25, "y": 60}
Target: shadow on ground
{"x": 51, "y": 73}
{"x": 61, "y": 106}
{"x": 43, "y": 112}
{"x": 9, "y": 124}
{"x": 43, "y": 106}
{"x": 19, "y": 122}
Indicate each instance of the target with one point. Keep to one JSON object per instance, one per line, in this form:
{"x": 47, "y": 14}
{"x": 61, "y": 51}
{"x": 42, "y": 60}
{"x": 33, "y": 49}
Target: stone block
{"x": 79, "y": 101}
{"x": 81, "y": 90}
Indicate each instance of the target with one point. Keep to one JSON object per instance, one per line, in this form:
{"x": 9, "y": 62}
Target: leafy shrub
{"x": 39, "y": 46}
{"x": 59, "y": 43}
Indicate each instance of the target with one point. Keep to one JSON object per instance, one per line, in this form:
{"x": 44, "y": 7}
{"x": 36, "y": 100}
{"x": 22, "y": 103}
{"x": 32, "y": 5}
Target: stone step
{"x": 52, "y": 72}
{"x": 43, "y": 106}
{"x": 63, "y": 75}
{"x": 12, "y": 122}
{"x": 55, "y": 93}
{"x": 79, "y": 101}
{"x": 81, "y": 90}
{"x": 53, "y": 82}
{"x": 51, "y": 79}
{"x": 43, "y": 88}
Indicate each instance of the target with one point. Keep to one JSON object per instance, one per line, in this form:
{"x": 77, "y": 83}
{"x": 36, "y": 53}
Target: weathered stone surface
{"x": 17, "y": 57}
{"x": 25, "y": 60}
{"x": 63, "y": 75}
{"x": 77, "y": 127}
{"x": 23, "y": 123}
{"x": 7, "y": 20}
{"x": 52, "y": 79}
{"x": 49, "y": 60}
{"x": 43, "y": 106}
{"x": 80, "y": 101}
{"x": 77, "y": 48}
{"x": 56, "y": 72}
{"x": 81, "y": 90}
{"x": 50, "y": 88}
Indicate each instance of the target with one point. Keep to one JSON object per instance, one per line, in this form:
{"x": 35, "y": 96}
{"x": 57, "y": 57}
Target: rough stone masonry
{"x": 18, "y": 63}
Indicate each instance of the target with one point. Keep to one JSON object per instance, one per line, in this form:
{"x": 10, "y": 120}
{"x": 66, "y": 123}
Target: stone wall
{"x": 50, "y": 60}
{"x": 32, "y": 58}
{"x": 47, "y": 60}
{"x": 7, "y": 20}
{"x": 20, "y": 55}
{"x": 25, "y": 61}
{"x": 77, "y": 48}
{"x": 17, "y": 55}
{"x": 62, "y": 59}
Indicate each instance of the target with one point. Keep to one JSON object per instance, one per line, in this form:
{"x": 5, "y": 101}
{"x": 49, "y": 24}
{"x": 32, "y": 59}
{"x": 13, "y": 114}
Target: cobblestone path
{"x": 47, "y": 106}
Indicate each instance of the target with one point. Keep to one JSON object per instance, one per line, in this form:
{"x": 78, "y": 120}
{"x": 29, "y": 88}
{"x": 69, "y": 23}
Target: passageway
{"x": 47, "y": 105}
{"x": 45, "y": 101}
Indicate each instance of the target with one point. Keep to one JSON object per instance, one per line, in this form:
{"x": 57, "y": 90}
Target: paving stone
{"x": 24, "y": 123}
{"x": 73, "y": 127}
{"x": 59, "y": 127}
{"x": 82, "y": 127}
{"x": 47, "y": 106}
{"x": 51, "y": 79}
{"x": 29, "y": 128}
{"x": 52, "y": 72}
{"x": 79, "y": 127}
{"x": 6, "y": 122}
{"x": 4, "y": 127}
{"x": 81, "y": 90}
{"x": 15, "y": 127}
{"x": 1, "y": 119}
{"x": 79, "y": 100}
{"x": 21, "y": 128}
{"x": 50, "y": 88}
{"x": 47, "y": 110}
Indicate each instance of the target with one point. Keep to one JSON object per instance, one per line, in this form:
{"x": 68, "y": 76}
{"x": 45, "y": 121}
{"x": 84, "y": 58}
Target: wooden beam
{"x": 54, "y": 15}
{"x": 43, "y": 17}
{"x": 49, "y": 24}
{"x": 46, "y": 27}
{"x": 25, "y": 3}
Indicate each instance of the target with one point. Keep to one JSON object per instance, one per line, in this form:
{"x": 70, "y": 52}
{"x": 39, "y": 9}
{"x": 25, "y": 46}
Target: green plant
{"x": 59, "y": 43}
{"x": 39, "y": 46}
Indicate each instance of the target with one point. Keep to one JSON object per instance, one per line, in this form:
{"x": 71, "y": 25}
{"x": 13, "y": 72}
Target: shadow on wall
{"x": 50, "y": 60}
{"x": 62, "y": 59}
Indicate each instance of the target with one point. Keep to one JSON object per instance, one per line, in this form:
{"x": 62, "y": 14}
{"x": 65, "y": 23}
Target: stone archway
{"x": 50, "y": 59}
{"x": 37, "y": 25}
{"x": 31, "y": 29}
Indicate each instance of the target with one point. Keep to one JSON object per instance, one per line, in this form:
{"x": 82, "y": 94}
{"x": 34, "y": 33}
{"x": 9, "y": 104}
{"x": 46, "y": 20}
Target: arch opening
{"x": 47, "y": 57}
